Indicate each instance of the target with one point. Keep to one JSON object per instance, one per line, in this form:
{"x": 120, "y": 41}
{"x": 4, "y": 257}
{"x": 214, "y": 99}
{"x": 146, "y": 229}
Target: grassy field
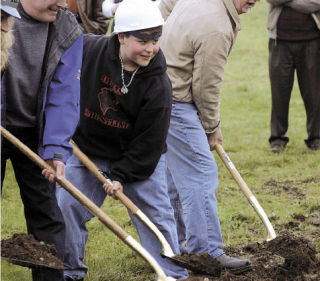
{"x": 285, "y": 184}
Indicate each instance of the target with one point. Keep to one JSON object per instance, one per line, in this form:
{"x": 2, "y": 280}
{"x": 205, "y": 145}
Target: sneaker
{"x": 235, "y": 265}
{"x": 277, "y": 147}
{"x": 314, "y": 145}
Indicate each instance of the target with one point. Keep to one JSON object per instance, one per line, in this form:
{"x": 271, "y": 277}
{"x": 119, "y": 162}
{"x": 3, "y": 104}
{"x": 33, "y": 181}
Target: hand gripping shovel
{"x": 94, "y": 209}
{"x": 92, "y": 167}
{"x": 247, "y": 192}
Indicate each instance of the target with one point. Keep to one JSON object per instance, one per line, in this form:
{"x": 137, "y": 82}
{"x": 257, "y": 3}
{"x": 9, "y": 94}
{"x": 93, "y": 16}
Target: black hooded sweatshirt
{"x": 127, "y": 130}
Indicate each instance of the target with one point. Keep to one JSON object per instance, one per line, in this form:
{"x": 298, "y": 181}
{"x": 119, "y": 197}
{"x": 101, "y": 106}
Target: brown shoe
{"x": 277, "y": 147}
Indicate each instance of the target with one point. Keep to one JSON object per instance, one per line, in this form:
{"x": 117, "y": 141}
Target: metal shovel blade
{"x": 202, "y": 263}
{"x": 33, "y": 264}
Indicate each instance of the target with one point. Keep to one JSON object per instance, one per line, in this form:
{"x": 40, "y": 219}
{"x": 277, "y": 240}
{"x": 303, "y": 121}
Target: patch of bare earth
{"x": 23, "y": 249}
{"x": 286, "y": 258}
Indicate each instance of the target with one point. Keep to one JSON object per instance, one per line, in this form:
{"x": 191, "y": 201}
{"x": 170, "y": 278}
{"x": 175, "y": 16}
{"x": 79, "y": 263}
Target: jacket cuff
{"x": 210, "y": 131}
{"x": 116, "y": 178}
{"x": 52, "y": 152}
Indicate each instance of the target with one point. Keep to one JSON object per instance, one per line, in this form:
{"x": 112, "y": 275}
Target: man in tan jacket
{"x": 196, "y": 46}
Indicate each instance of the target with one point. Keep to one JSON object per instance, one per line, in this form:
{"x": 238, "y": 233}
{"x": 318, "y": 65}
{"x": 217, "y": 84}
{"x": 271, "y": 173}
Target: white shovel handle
{"x": 245, "y": 189}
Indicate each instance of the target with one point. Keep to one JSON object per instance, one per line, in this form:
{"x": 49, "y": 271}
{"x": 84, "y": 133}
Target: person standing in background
{"x": 89, "y": 15}
{"x": 294, "y": 46}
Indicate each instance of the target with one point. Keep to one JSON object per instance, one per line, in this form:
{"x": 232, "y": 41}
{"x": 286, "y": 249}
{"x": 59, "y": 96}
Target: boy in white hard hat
{"x": 125, "y": 111}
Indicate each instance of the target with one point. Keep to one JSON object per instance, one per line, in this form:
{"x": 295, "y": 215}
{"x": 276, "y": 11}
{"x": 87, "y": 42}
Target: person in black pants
{"x": 294, "y": 31}
{"x": 40, "y": 98}
{"x": 43, "y": 216}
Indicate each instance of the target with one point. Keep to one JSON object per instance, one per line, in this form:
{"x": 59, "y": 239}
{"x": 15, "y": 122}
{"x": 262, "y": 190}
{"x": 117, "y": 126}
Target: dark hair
{"x": 153, "y": 33}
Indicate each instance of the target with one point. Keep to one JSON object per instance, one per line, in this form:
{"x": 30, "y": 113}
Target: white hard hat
{"x": 134, "y": 15}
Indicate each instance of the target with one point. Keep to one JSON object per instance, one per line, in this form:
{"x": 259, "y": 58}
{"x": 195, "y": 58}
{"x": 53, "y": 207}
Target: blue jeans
{"x": 193, "y": 180}
{"x": 151, "y": 197}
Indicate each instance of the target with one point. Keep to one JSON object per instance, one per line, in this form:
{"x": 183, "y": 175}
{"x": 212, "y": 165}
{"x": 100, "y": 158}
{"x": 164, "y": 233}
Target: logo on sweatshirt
{"x": 107, "y": 101}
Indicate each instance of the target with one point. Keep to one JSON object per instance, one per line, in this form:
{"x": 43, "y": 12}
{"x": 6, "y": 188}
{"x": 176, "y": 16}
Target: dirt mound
{"x": 286, "y": 258}
{"x": 23, "y": 249}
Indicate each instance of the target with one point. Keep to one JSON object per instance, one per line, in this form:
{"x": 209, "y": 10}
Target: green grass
{"x": 284, "y": 184}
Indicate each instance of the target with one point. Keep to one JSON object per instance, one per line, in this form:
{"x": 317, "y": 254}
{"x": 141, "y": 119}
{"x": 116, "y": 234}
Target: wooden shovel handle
{"x": 92, "y": 167}
{"x": 94, "y": 209}
{"x": 232, "y": 169}
{"x": 251, "y": 198}
{"x": 167, "y": 251}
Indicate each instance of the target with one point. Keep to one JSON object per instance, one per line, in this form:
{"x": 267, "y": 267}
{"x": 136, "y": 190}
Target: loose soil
{"x": 286, "y": 258}
{"x": 23, "y": 249}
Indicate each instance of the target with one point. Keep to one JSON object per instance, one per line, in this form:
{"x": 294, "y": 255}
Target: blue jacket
{"x": 59, "y": 92}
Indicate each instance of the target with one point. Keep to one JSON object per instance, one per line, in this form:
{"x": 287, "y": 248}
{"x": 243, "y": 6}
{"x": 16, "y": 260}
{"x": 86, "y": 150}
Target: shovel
{"x": 94, "y": 209}
{"x": 247, "y": 192}
{"x": 167, "y": 251}
{"x": 198, "y": 263}
{"x": 31, "y": 264}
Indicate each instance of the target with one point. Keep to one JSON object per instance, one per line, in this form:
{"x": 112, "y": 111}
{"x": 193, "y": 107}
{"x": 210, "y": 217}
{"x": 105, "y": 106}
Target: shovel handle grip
{"x": 232, "y": 169}
{"x": 94, "y": 209}
{"x": 92, "y": 167}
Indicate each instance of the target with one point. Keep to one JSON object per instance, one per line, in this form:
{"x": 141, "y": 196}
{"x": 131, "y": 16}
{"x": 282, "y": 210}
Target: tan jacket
{"x": 93, "y": 21}
{"x": 304, "y": 6}
{"x": 197, "y": 39}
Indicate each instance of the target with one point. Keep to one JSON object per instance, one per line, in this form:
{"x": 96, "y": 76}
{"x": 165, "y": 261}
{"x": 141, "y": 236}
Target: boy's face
{"x": 137, "y": 52}
{"x": 43, "y": 10}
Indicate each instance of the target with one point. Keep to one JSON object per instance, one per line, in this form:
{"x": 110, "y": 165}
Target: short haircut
{"x": 153, "y": 33}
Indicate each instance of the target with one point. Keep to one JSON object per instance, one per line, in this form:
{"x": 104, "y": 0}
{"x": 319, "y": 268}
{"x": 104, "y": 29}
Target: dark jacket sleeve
{"x": 144, "y": 151}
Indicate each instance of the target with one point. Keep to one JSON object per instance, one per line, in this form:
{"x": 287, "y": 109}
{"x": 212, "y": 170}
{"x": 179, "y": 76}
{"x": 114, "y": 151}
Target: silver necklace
{"x": 124, "y": 89}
